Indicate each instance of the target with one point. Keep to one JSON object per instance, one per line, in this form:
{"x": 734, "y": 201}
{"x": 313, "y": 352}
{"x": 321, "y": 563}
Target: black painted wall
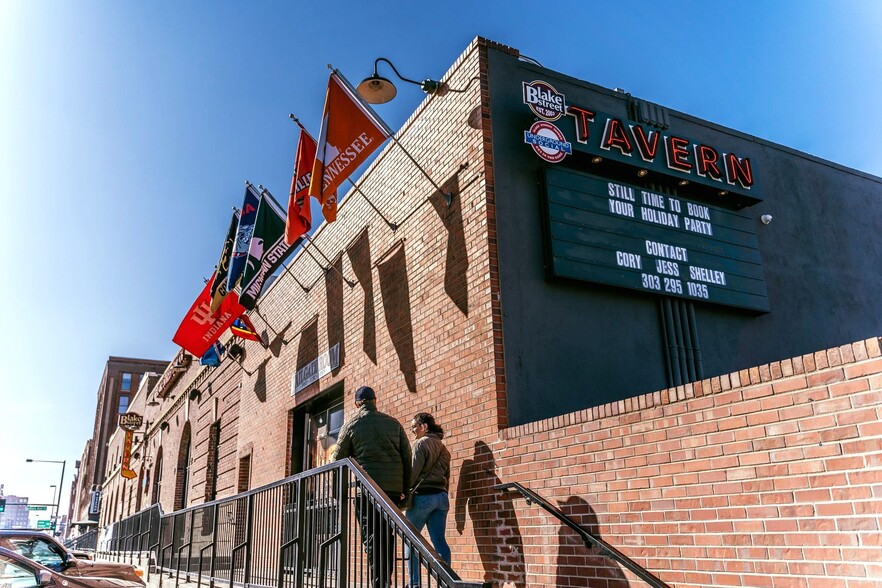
{"x": 570, "y": 346}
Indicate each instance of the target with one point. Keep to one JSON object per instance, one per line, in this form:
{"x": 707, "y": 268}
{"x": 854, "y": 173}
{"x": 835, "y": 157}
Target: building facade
{"x": 667, "y": 328}
{"x": 16, "y": 515}
{"x": 121, "y": 379}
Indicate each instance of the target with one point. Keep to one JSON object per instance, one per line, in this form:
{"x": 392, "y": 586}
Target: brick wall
{"x": 770, "y": 476}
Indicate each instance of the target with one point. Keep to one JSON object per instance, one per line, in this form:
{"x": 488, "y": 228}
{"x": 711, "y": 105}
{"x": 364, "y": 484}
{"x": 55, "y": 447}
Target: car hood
{"x": 105, "y": 569}
{"x": 92, "y": 582}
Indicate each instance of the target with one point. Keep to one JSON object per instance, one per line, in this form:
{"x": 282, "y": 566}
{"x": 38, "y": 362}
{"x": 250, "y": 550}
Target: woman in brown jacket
{"x": 429, "y": 479}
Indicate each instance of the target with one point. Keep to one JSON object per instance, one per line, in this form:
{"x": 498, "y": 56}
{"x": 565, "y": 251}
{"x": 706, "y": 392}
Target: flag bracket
{"x": 268, "y": 326}
{"x": 330, "y": 266}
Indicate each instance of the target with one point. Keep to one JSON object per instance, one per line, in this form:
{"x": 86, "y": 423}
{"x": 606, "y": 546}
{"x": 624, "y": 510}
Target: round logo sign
{"x": 547, "y": 141}
{"x": 544, "y": 100}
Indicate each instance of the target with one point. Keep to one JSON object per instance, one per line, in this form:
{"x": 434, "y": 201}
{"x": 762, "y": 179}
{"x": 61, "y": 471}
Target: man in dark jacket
{"x": 379, "y": 444}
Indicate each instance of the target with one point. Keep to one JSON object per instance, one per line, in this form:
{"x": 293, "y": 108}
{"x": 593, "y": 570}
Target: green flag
{"x": 268, "y": 249}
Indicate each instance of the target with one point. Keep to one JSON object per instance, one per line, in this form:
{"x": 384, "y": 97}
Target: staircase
{"x": 328, "y": 527}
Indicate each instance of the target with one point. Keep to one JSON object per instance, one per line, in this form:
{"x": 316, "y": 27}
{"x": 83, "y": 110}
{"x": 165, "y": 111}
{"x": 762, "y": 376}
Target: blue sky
{"x": 127, "y": 130}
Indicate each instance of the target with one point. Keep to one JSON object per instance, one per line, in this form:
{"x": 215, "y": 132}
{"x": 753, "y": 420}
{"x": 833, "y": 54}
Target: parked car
{"x": 48, "y": 552}
{"x": 17, "y": 571}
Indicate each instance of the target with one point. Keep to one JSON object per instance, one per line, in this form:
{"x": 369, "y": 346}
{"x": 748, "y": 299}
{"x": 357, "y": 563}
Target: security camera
{"x": 766, "y": 219}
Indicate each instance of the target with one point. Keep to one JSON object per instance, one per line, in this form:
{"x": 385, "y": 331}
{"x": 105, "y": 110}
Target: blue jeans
{"x": 429, "y": 510}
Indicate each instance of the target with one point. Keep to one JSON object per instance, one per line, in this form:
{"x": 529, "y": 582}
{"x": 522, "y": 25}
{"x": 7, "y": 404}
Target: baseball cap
{"x": 365, "y": 393}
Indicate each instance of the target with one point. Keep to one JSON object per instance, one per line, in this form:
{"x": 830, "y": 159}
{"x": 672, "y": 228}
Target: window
{"x": 16, "y": 575}
{"x": 41, "y": 551}
{"x": 211, "y": 471}
{"x": 244, "y": 473}
{"x": 123, "y": 404}
{"x": 157, "y": 477}
{"x": 182, "y": 483}
{"x": 126, "y": 383}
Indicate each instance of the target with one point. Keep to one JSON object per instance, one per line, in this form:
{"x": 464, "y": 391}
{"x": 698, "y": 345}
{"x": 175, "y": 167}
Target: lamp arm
{"x": 389, "y": 63}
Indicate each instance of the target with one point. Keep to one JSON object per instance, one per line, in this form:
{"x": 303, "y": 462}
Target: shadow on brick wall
{"x": 395, "y": 292}
{"x": 334, "y": 292}
{"x": 497, "y": 534}
{"x": 577, "y": 564}
{"x": 359, "y": 252}
{"x": 456, "y": 266}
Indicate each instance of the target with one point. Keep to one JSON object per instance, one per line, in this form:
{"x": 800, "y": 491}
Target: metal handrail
{"x": 302, "y": 525}
{"x": 590, "y": 539}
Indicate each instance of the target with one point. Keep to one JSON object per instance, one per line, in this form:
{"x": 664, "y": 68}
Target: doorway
{"x": 315, "y": 427}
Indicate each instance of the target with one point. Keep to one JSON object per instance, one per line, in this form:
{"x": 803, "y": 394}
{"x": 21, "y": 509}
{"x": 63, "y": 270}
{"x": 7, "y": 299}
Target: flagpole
{"x": 448, "y": 196}
{"x": 268, "y": 326}
{"x": 390, "y": 224}
{"x": 287, "y": 270}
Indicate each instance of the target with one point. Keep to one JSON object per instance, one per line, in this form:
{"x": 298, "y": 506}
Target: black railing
{"x": 587, "y": 537}
{"x": 331, "y": 526}
{"x": 86, "y": 541}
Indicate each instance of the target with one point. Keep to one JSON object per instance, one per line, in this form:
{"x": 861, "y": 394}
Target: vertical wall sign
{"x": 129, "y": 422}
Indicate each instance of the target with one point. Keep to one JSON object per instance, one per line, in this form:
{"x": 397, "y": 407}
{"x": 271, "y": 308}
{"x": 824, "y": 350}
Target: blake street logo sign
{"x": 545, "y": 102}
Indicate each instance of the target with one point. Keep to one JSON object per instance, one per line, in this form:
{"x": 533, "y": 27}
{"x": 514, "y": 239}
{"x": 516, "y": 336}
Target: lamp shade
{"x": 376, "y": 90}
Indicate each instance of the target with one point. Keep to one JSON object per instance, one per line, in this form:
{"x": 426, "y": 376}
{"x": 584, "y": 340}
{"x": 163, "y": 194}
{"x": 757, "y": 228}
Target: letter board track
{"x": 609, "y": 232}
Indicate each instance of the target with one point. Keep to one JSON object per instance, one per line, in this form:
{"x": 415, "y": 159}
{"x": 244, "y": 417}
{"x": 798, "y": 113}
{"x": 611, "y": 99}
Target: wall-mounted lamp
{"x": 163, "y": 426}
{"x": 153, "y": 401}
{"x": 642, "y": 173}
{"x": 379, "y": 90}
{"x": 195, "y": 393}
{"x": 237, "y": 352}
{"x": 683, "y": 182}
{"x": 766, "y": 219}
{"x": 596, "y": 159}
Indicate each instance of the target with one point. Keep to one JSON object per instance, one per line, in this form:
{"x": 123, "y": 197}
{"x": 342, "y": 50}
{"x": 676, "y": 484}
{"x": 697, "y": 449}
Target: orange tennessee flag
{"x": 299, "y": 214}
{"x": 350, "y": 133}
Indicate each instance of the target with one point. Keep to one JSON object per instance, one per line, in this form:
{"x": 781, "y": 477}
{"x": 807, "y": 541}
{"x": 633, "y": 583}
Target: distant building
{"x": 16, "y": 515}
{"x": 121, "y": 379}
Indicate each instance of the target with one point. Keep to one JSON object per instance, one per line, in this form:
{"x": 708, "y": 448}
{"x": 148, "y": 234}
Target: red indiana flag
{"x": 351, "y": 131}
{"x": 201, "y": 328}
{"x": 299, "y": 214}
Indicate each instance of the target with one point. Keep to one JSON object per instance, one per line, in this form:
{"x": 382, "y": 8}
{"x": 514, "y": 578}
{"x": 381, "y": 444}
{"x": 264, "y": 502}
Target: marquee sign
{"x": 606, "y": 136}
{"x": 172, "y": 373}
{"x": 618, "y": 234}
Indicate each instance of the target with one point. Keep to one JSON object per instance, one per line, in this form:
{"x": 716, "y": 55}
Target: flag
{"x": 219, "y": 284}
{"x": 299, "y": 214}
{"x": 213, "y": 356}
{"x": 351, "y": 131}
{"x": 243, "y": 236}
{"x": 268, "y": 249}
{"x": 244, "y": 329}
{"x": 200, "y": 327}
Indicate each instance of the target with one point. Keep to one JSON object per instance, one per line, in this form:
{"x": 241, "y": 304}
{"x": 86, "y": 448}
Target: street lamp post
{"x": 60, "y": 484}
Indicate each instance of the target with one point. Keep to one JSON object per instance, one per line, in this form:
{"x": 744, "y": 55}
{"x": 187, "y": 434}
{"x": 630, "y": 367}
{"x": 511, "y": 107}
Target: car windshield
{"x": 41, "y": 551}
{"x": 15, "y": 575}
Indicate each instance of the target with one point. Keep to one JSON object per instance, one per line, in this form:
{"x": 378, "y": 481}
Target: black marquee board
{"x": 609, "y": 232}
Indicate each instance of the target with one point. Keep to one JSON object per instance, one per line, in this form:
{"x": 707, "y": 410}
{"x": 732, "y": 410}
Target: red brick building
{"x": 119, "y": 383}
{"x": 718, "y": 436}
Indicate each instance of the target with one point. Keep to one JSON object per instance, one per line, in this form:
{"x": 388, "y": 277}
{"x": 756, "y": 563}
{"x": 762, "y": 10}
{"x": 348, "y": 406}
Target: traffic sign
{"x": 31, "y": 507}
{"x": 44, "y": 524}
